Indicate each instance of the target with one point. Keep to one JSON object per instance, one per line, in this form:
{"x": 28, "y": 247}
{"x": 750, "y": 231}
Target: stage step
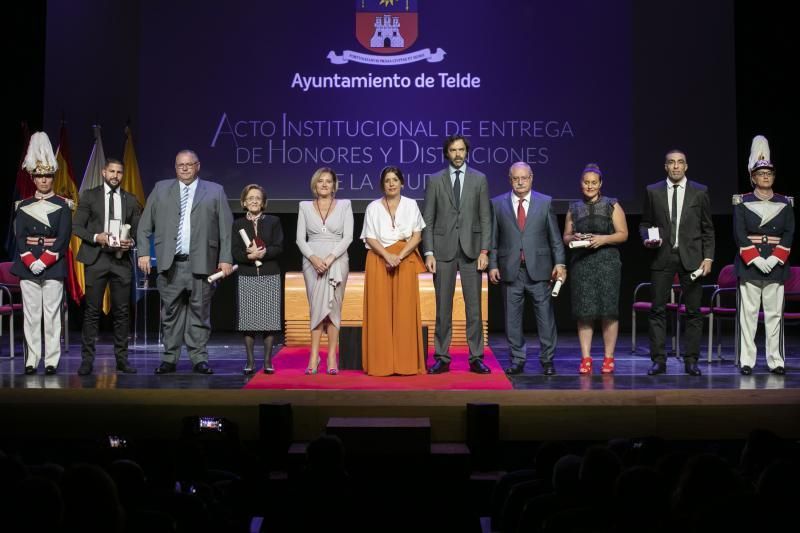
{"x": 382, "y": 436}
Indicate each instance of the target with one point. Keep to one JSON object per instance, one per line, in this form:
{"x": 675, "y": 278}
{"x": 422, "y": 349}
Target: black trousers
{"x": 692, "y": 293}
{"x": 107, "y": 270}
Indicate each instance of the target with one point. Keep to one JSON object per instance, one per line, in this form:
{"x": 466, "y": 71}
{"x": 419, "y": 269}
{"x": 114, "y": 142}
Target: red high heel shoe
{"x": 608, "y": 365}
{"x": 586, "y": 366}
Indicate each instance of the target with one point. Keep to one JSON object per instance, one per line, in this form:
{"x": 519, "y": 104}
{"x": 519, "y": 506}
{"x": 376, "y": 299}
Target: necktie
{"x": 521, "y": 214}
{"x": 110, "y": 208}
{"x": 521, "y": 222}
{"x": 457, "y": 189}
{"x": 673, "y": 234}
{"x": 184, "y": 203}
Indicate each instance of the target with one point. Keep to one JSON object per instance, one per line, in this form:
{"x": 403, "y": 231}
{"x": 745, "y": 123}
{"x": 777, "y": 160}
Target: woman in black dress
{"x": 259, "y": 276}
{"x": 595, "y": 227}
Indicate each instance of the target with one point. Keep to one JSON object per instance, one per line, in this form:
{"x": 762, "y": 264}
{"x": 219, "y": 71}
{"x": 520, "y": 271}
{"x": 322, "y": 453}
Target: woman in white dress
{"x": 324, "y": 231}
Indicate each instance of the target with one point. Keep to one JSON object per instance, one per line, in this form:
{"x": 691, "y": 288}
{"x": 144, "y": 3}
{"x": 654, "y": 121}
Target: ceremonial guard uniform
{"x": 763, "y": 230}
{"x": 43, "y": 225}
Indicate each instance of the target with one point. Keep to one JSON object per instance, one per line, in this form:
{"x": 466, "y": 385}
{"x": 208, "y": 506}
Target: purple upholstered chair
{"x": 10, "y": 301}
{"x": 643, "y": 305}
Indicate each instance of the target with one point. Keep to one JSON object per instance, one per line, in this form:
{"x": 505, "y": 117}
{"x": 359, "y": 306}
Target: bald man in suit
{"x": 191, "y": 222}
{"x": 681, "y": 210}
{"x": 527, "y": 256}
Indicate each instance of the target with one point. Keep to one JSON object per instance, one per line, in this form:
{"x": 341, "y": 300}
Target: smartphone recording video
{"x": 210, "y": 423}
{"x": 115, "y": 441}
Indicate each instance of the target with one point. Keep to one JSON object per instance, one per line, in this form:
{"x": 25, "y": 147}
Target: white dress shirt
{"x": 117, "y": 207}
{"x": 525, "y": 205}
{"x": 681, "y": 193}
{"x": 186, "y": 233}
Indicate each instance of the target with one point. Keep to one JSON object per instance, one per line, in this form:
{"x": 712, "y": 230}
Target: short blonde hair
{"x": 249, "y": 188}
{"x": 318, "y": 174}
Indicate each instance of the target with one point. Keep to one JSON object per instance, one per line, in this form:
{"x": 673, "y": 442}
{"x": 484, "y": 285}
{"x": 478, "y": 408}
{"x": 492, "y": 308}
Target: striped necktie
{"x": 184, "y": 203}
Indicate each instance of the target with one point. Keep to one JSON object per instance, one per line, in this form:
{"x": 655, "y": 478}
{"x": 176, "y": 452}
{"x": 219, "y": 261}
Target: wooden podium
{"x": 297, "y": 312}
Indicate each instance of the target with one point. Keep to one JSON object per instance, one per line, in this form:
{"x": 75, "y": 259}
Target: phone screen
{"x": 210, "y": 423}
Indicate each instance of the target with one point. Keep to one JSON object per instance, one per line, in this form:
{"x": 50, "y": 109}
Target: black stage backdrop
{"x": 684, "y": 91}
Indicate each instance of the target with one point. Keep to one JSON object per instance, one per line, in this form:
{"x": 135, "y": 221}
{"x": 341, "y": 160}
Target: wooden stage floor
{"x": 721, "y": 404}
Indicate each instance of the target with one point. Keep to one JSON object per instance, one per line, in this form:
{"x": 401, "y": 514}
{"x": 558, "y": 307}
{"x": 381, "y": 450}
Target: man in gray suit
{"x": 681, "y": 211}
{"x": 191, "y": 223}
{"x": 527, "y": 255}
{"x": 456, "y": 239}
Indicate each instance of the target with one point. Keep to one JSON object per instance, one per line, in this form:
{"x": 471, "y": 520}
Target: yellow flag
{"x": 132, "y": 179}
{"x": 64, "y": 185}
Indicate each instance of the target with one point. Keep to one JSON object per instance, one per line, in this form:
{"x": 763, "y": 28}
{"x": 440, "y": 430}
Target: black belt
{"x": 180, "y": 258}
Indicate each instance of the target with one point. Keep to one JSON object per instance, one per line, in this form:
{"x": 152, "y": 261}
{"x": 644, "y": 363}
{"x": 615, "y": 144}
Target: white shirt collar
{"x": 515, "y": 198}
{"x": 681, "y": 184}
{"x": 463, "y": 169}
{"x": 192, "y": 186}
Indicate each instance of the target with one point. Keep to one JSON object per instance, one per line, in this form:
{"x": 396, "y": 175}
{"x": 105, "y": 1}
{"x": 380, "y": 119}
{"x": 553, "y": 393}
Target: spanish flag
{"x": 64, "y": 185}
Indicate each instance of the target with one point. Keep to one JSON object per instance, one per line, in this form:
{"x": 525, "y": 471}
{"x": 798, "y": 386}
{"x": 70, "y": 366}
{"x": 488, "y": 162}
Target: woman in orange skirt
{"x": 391, "y": 341}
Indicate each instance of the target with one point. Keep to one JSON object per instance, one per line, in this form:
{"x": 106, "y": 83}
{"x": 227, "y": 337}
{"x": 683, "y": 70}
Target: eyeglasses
{"x": 764, "y": 174}
{"x": 521, "y": 179}
{"x": 185, "y": 165}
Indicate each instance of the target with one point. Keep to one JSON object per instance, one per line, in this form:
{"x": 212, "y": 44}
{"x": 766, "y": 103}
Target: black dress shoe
{"x": 86, "y": 368}
{"x": 202, "y": 368}
{"x": 549, "y": 369}
{"x": 165, "y": 368}
{"x": 779, "y": 370}
{"x": 125, "y": 367}
{"x": 30, "y": 370}
{"x": 691, "y": 369}
{"x": 439, "y": 367}
{"x": 50, "y": 370}
{"x": 516, "y": 368}
{"x": 657, "y": 368}
{"x": 745, "y": 370}
{"x": 479, "y": 367}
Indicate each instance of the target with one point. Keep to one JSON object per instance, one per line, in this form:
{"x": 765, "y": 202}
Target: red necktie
{"x": 521, "y": 223}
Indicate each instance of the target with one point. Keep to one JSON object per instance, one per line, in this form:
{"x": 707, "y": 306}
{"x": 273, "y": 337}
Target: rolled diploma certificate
{"x": 220, "y": 274}
{"x": 124, "y": 235}
{"x": 246, "y": 240}
{"x": 579, "y": 244}
{"x": 556, "y": 288}
{"x": 696, "y": 274}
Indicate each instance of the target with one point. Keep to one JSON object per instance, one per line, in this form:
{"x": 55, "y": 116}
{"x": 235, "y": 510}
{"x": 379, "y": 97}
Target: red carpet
{"x": 290, "y": 365}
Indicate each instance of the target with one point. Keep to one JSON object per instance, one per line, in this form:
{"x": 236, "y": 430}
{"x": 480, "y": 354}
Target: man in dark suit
{"x": 190, "y": 221}
{"x": 527, "y": 255}
{"x": 680, "y": 210}
{"x": 105, "y": 254}
{"x": 456, "y": 238}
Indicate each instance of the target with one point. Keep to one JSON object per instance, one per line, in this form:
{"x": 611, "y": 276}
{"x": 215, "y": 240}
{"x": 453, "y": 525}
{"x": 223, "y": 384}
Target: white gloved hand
{"x": 37, "y": 267}
{"x": 761, "y": 264}
{"x": 772, "y": 261}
